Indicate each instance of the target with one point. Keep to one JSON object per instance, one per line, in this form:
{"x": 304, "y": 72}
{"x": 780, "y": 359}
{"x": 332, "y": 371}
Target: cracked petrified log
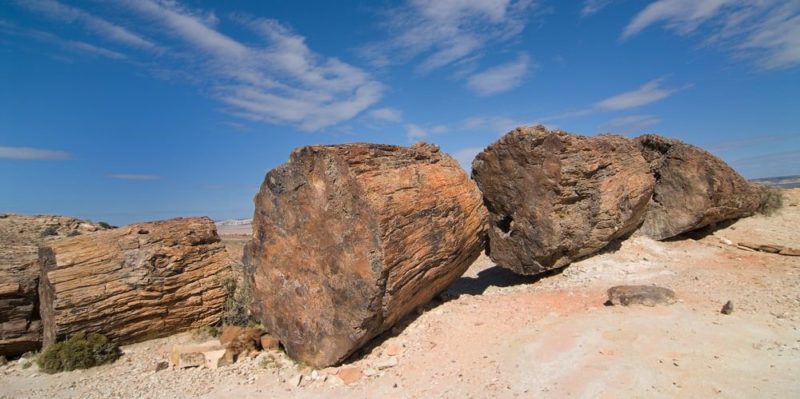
{"x": 347, "y": 239}
{"x": 20, "y": 327}
{"x": 693, "y": 189}
{"x": 555, "y": 197}
{"x": 134, "y": 283}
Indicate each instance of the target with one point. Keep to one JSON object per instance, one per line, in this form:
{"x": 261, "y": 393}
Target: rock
{"x": 196, "y": 355}
{"x": 770, "y": 248}
{"x": 349, "y": 375}
{"x": 393, "y": 349}
{"x": 694, "y": 189}
{"x": 215, "y": 359}
{"x": 790, "y": 251}
{"x": 386, "y": 363}
{"x": 348, "y": 239}
{"x": 727, "y": 308}
{"x": 269, "y": 343}
{"x": 241, "y": 340}
{"x": 555, "y": 197}
{"x": 648, "y": 295}
{"x": 3, "y": 360}
{"x": 134, "y": 283}
{"x": 20, "y": 325}
{"x": 296, "y": 380}
{"x": 161, "y": 365}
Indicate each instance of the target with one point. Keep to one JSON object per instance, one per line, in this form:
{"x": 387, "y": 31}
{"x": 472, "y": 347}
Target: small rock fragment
{"x": 296, "y": 380}
{"x": 268, "y": 342}
{"x": 183, "y": 356}
{"x": 393, "y": 349}
{"x": 161, "y": 365}
{"x": 727, "y": 308}
{"x": 386, "y": 363}
{"x": 648, "y": 295}
{"x": 349, "y": 375}
{"x": 218, "y": 358}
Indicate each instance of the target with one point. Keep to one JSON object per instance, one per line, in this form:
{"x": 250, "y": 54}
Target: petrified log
{"x": 554, "y": 197}
{"x": 20, "y": 327}
{"x": 347, "y": 239}
{"x": 134, "y": 283}
{"x": 693, "y": 189}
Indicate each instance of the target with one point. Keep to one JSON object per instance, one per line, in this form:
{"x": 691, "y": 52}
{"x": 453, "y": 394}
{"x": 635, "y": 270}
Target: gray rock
{"x": 648, "y": 295}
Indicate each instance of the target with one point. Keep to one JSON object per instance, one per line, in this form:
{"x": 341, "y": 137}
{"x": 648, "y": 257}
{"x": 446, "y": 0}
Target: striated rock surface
{"x": 348, "y": 239}
{"x": 693, "y": 189}
{"x": 134, "y": 283}
{"x": 20, "y": 327}
{"x": 554, "y": 197}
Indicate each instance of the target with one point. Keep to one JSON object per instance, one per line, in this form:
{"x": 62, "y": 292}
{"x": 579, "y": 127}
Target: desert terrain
{"x": 497, "y": 334}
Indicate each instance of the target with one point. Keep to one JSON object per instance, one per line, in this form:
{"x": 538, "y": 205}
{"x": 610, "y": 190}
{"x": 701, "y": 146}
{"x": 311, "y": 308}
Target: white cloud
{"x": 632, "y": 123}
{"x": 106, "y": 29}
{"x": 465, "y": 156}
{"x": 415, "y": 133}
{"x": 128, "y": 176}
{"x": 386, "y": 114}
{"x": 648, "y": 93}
{"x": 500, "y": 78}
{"x": 767, "y": 32}
{"x": 497, "y": 124}
{"x": 71, "y": 45}
{"x": 279, "y": 79}
{"x": 593, "y": 6}
{"x": 445, "y": 32}
{"x": 29, "y": 153}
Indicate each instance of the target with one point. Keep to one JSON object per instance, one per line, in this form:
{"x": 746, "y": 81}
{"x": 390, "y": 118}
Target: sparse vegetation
{"x": 105, "y": 225}
{"x": 268, "y": 361}
{"x": 81, "y": 351}
{"x": 49, "y": 231}
{"x": 73, "y": 233}
{"x": 236, "y": 311}
{"x": 773, "y": 201}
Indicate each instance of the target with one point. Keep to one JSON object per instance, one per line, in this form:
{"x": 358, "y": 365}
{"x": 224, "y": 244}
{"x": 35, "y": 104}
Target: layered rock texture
{"x": 133, "y": 283}
{"x": 693, "y": 189}
{"x": 20, "y": 327}
{"x": 348, "y": 239}
{"x": 555, "y": 197}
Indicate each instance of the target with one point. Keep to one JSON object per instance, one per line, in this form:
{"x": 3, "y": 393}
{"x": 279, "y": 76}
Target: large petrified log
{"x": 134, "y": 283}
{"x": 20, "y": 327}
{"x": 347, "y": 239}
{"x": 555, "y": 197}
{"x": 693, "y": 189}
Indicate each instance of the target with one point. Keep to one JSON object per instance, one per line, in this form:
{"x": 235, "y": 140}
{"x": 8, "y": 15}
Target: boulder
{"x": 555, "y": 197}
{"x": 268, "y": 342}
{"x": 347, "y": 239}
{"x": 648, "y": 295}
{"x": 20, "y": 326}
{"x": 211, "y": 354}
{"x": 693, "y": 189}
{"x": 134, "y": 283}
{"x": 241, "y": 340}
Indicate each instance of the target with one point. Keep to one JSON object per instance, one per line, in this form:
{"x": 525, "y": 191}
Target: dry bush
{"x": 773, "y": 201}
{"x": 81, "y": 351}
{"x": 236, "y": 310}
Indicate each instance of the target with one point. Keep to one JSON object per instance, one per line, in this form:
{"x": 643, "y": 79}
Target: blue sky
{"x": 132, "y": 110}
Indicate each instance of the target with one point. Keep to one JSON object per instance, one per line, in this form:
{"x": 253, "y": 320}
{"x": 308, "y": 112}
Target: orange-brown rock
{"x": 693, "y": 189}
{"x": 347, "y": 239}
{"x": 554, "y": 197}
{"x": 241, "y": 340}
{"x": 20, "y": 327}
{"x": 134, "y": 283}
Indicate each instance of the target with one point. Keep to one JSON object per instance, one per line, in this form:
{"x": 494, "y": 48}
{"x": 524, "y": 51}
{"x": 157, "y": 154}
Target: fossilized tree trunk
{"x": 348, "y": 239}
{"x": 20, "y": 327}
{"x": 134, "y": 283}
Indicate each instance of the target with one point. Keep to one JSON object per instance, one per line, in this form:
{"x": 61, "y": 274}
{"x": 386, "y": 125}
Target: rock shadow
{"x": 702, "y": 232}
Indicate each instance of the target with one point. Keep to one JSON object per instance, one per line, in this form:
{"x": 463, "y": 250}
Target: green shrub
{"x": 105, "y": 225}
{"x": 773, "y": 200}
{"x": 81, "y": 351}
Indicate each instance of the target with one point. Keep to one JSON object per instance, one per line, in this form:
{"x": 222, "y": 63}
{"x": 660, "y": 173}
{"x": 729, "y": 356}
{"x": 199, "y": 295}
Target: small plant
{"x": 268, "y": 361}
{"x": 73, "y": 233}
{"x": 81, "y": 351}
{"x": 236, "y": 308}
{"x": 49, "y": 231}
{"x": 773, "y": 200}
{"x": 105, "y": 225}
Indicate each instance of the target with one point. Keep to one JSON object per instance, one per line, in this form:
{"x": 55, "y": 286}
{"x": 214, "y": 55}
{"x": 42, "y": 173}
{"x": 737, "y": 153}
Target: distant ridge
{"x": 780, "y": 181}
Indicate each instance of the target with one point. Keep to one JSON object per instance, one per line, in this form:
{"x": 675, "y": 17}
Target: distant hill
{"x": 782, "y": 182}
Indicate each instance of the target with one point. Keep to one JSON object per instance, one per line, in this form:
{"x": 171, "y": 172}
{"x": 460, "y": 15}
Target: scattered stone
{"x": 727, "y": 308}
{"x": 348, "y": 239}
{"x": 194, "y": 355}
{"x": 694, "y": 189}
{"x": 770, "y": 248}
{"x": 269, "y": 343}
{"x": 386, "y": 363}
{"x": 349, "y": 375}
{"x": 241, "y": 340}
{"x": 296, "y": 380}
{"x": 215, "y": 359}
{"x": 648, "y": 295}
{"x": 555, "y": 197}
{"x": 370, "y": 372}
{"x": 393, "y": 349}
{"x": 141, "y": 285}
{"x": 161, "y": 365}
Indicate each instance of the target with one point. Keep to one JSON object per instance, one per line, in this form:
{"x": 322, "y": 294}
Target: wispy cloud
{"x": 632, "y": 124}
{"x": 69, "y": 45}
{"x": 497, "y": 124}
{"x": 29, "y": 153}
{"x": 593, "y": 6}
{"x": 107, "y": 30}
{"x": 129, "y": 176}
{"x": 415, "y": 132}
{"x": 647, "y": 93}
{"x": 465, "y": 156}
{"x": 442, "y": 33}
{"x": 386, "y": 114}
{"x": 767, "y": 32}
{"x": 500, "y": 78}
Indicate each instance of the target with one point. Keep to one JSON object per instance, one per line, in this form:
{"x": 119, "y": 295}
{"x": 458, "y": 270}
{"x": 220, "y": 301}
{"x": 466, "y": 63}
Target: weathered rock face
{"x": 555, "y": 197}
{"x": 20, "y": 327}
{"x": 348, "y": 239}
{"x": 693, "y": 189}
{"x": 35, "y": 230}
{"x": 134, "y": 283}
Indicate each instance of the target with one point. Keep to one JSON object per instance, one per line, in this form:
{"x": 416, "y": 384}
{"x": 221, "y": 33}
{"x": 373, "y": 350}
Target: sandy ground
{"x": 495, "y": 334}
